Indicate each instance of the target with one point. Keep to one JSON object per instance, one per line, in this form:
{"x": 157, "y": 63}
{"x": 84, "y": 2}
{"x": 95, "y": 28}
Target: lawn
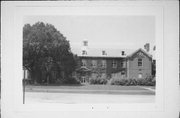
{"x": 93, "y": 89}
{"x": 87, "y": 87}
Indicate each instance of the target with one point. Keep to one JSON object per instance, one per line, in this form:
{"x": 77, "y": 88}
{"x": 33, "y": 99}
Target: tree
{"x": 46, "y": 53}
{"x": 154, "y": 68}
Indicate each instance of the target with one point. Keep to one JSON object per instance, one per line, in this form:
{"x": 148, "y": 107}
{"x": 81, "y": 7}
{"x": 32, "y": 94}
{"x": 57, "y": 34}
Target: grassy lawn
{"x": 92, "y": 89}
{"x": 88, "y": 87}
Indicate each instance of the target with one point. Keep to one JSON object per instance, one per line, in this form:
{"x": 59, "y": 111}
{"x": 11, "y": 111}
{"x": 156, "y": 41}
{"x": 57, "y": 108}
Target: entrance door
{"x": 83, "y": 80}
{"x": 140, "y": 75}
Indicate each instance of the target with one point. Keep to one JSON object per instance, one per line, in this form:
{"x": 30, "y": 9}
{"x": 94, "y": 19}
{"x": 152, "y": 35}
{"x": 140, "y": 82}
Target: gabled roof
{"x": 140, "y": 49}
{"x": 83, "y": 69}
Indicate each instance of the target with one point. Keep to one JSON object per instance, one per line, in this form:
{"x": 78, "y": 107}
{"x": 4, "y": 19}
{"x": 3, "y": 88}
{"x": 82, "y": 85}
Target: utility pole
{"x": 23, "y": 82}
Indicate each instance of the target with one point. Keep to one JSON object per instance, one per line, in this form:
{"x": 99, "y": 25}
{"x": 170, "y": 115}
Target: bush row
{"x": 148, "y": 81}
{"x": 98, "y": 80}
{"x": 133, "y": 82}
{"x": 71, "y": 80}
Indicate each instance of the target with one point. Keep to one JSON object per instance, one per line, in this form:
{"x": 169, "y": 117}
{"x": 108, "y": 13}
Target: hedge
{"x": 98, "y": 80}
{"x": 133, "y": 82}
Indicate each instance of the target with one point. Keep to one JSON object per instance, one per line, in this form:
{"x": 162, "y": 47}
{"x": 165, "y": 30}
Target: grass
{"x": 92, "y": 89}
{"x": 88, "y": 87}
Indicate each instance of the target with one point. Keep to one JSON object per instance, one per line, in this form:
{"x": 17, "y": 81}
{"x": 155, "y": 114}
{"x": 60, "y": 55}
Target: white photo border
{"x": 22, "y": 9}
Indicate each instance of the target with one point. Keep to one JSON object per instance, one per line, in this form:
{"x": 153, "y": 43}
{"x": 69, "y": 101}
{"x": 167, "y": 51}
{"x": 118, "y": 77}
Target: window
{"x": 94, "y": 63}
{"x": 103, "y": 63}
{"x": 84, "y": 52}
{"x": 84, "y": 62}
{"x": 122, "y": 73}
{"x": 140, "y": 62}
{"x": 123, "y": 64}
{"x": 114, "y": 64}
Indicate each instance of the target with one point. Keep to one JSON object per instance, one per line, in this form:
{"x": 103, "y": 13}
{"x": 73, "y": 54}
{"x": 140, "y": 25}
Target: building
{"x": 115, "y": 63}
{"x": 139, "y": 64}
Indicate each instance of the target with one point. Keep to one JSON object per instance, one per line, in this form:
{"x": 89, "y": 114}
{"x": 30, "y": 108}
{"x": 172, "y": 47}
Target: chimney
{"x": 122, "y": 53}
{"x": 147, "y": 47}
{"x": 154, "y": 48}
{"x": 104, "y": 52}
{"x": 84, "y": 48}
{"x": 85, "y": 43}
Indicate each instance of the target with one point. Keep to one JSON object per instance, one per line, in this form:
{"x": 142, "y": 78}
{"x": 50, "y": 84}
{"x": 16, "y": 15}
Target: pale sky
{"x": 103, "y": 31}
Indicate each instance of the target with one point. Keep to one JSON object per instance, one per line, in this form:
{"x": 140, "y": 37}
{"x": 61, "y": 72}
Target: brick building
{"x": 115, "y": 63}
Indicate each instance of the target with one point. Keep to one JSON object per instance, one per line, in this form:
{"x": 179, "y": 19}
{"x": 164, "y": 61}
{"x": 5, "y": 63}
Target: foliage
{"x": 154, "y": 68}
{"x": 71, "y": 80}
{"x": 46, "y": 53}
{"x": 98, "y": 80}
{"x": 149, "y": 81}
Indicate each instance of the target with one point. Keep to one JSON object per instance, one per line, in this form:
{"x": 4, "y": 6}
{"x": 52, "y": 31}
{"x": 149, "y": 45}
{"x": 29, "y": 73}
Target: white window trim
{"x": 141, "y": 64}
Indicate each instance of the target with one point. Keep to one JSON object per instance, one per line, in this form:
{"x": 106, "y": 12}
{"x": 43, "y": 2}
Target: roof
{"x": 140, "y": 49}
{"x": 83, "y": 69}
{"x": 97, "y": 52}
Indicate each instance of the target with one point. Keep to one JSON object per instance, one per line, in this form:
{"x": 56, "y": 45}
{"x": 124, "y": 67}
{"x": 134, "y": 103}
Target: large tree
{"x": 46, "y": 53}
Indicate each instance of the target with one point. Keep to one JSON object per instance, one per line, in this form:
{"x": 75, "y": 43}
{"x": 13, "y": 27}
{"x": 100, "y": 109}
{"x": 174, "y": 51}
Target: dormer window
{"x": 84, "y": 52}
{"x": 104, "y": 52}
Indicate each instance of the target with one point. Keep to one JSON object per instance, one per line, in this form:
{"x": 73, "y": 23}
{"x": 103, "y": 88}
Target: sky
{"x": 124, "y": 32}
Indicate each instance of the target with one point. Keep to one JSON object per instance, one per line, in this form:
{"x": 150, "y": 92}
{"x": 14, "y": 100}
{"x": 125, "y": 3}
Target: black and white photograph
{"x": 89, "y": 59}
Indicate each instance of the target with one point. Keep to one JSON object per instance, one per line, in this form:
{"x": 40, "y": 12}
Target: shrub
{"x": 71, "y": 80}
{"x": 141, "y": 82}
{"x": 146, "y": 82}
{"x": 133, "y": 82}
{"x": 149, "y": 78}
{"x": 116, "y": 81}
{"x": 98, "y": 80}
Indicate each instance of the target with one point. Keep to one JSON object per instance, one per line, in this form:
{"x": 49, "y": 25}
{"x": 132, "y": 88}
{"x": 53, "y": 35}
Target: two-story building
{"x": 115, "y": 63}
